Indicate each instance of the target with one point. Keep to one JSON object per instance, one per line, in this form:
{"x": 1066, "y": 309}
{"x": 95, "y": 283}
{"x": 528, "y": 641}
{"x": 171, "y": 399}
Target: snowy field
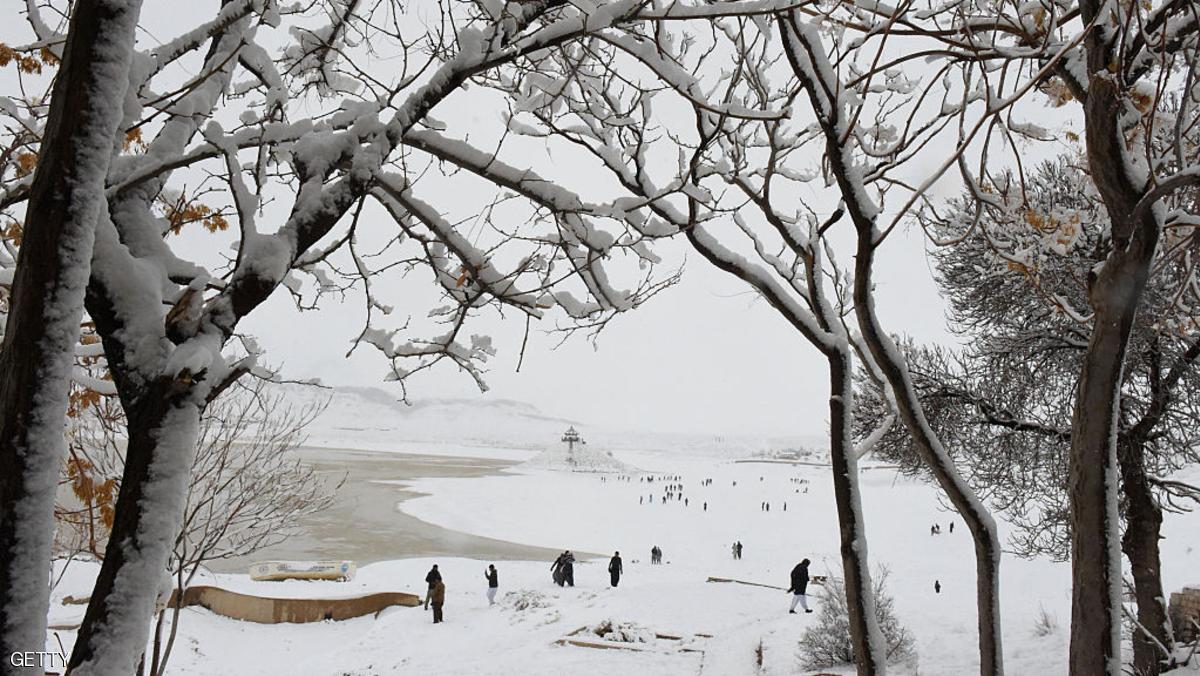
{"x": 722, "y": 625}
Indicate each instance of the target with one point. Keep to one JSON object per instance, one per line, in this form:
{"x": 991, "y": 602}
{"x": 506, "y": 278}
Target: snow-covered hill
{"x": 370, "y": 418}
{"x": 579, "y": 457}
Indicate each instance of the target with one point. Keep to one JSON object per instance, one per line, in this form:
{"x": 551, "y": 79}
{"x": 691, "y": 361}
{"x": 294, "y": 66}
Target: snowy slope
{"x": 371, "y": 418}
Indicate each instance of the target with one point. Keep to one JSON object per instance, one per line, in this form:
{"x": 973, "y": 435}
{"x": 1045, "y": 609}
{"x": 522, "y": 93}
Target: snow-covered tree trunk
{"x": 1094, "y": 480}
{"x": 975, "y": 515}
{"x": 809, "y": 61}
{"x": 823, "y": 330}
{"x": 1114, "y": 292}
{"x": 869, "y": 646}
{"x": 66, "y": 198}
{"x": 163, "y": 427}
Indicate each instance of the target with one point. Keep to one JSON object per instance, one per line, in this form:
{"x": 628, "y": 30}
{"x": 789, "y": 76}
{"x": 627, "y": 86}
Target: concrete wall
{"x": 1185, "y": 608}
{"x": 268, "y": 610}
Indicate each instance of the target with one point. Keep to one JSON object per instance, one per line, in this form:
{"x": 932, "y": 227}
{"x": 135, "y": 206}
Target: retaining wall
{"x": 267, "y": 610}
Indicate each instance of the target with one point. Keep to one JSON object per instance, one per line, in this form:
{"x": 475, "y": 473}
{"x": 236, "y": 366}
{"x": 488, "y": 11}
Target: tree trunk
{"x": 809, "y": 61}
{"x": 975, "y": 515}
{"x": 1143, "y": 524}
{"x": 1095, "y": 523}
{"x": 163, "y": 426}
{"x": 1093, "y": 481}
{"x": 1115, "y": 290}
{"x": 46, "y": 306}
{"x": 870, "y": 652}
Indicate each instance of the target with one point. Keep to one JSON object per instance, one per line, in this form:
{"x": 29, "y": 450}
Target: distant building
{"x": 571, "y": 437}
{"x": 580, "y": 457}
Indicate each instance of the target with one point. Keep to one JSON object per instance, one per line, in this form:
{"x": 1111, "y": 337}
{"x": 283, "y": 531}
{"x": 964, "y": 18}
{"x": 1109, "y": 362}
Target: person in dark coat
{"x": 569, "y": 569}
{"x": 799, "y": 587}
{"x": 557, "y": 569}
{"x": 431, "y": 578}
{"x": 438, "y": 594}
{"x": 739, "y": 550}
{"x": 614, "y": 568}
{"x": 493, "y": 580}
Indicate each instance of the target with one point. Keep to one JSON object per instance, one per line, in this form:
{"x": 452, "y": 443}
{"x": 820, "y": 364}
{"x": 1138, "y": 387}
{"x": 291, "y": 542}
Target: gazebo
{"x": 571, "y": 437}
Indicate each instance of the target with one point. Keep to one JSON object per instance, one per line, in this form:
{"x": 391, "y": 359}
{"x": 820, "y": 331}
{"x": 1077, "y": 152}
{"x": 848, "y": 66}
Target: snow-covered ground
{"x": 602, "y": 514}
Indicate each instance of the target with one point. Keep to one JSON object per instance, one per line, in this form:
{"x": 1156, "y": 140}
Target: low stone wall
{"x": 1185, "y": 609}
{"x": 267, "y": 610}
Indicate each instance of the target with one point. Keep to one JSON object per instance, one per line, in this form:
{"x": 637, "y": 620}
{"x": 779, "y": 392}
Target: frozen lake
{"x": 365, "y": 524}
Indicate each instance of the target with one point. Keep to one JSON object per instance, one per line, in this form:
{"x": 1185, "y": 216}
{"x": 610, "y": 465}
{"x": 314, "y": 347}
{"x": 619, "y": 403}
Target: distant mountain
{"x": 371, "y": 418}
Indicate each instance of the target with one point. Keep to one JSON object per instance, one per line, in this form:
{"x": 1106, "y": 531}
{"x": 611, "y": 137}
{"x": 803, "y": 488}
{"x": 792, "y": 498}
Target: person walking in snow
{"x": 438, "y": 594}
{"x": 799, "y": 587}
{"x": 556, "y": 569}
{"x": 431, "y": 578}
{"x": 615, "y": 569}
{"x": 739, "y": 550}
{"x": 493, "y": 579}
{"x": 569, "y": 569}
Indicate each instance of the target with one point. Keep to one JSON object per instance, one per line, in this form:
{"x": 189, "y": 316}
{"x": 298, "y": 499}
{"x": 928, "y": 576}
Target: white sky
{"x": 705, "y": 356}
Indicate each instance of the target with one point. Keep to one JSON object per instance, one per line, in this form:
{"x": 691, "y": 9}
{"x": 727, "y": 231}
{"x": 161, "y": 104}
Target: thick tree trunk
{"x": 1114, "y": 293}
{"x": 163, "y": 426}
{"x": 1095, "y": 523}
{"x": 46, "y": 306}
{"x": 1143, "y": 525}
{"x": 1094, "y": 480}
{"x": 870, "y": 652}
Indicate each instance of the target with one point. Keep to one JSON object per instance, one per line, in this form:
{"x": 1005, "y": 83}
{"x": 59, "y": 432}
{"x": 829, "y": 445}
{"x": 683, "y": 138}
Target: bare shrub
{"x": 1045, "y": 624}
{"x": 827, "y": 643}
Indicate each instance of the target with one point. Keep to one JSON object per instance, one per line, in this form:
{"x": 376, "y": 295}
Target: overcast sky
{"x": 704, "y": 356}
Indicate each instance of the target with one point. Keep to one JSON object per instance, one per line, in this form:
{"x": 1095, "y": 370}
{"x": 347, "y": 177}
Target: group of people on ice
{"x": 564, "y": 574}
